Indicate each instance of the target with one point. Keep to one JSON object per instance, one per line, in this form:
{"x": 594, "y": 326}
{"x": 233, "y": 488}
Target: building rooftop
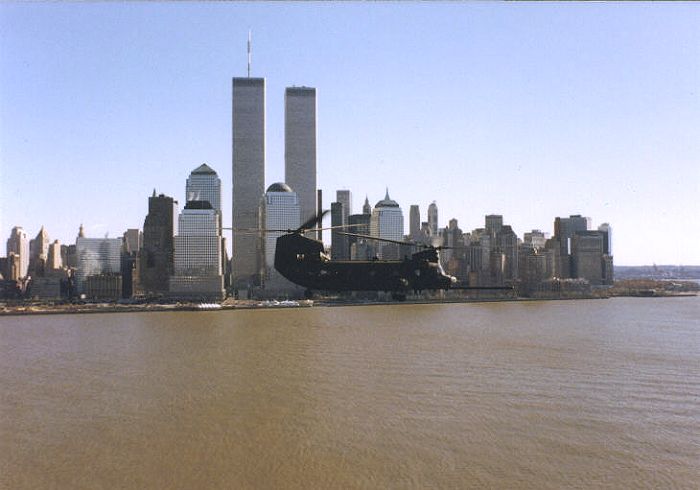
{"x": 204, "y": 169}
{"x": 279, "y": 187}
{"x": 387, "y": 202}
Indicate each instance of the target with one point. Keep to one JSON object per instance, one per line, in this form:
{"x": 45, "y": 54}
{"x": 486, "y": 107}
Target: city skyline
{"x": 589, "y": 125}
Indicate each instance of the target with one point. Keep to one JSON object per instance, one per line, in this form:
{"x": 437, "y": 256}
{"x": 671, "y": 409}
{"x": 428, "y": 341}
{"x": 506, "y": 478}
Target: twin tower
{"x": 249, "y": 165}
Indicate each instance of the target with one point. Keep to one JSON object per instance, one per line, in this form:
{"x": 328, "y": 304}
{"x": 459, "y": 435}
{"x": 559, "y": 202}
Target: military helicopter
{"x": 303, "y": 261}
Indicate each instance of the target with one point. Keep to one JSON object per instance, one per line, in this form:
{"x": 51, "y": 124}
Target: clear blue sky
{"x": 527, "y": 110}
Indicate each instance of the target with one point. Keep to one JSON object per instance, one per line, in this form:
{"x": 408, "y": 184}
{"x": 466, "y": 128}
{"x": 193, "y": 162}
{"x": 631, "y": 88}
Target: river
{"x": 552, "y": 394}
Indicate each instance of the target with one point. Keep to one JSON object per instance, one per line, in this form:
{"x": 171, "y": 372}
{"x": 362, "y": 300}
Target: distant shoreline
{"x": 22, "y": 310}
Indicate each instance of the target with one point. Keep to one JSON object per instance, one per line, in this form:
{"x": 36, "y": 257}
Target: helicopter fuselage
{"x": 303, "y": 261}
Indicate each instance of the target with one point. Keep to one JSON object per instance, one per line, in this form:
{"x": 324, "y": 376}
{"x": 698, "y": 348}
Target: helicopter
{"x": 303, "y": 261}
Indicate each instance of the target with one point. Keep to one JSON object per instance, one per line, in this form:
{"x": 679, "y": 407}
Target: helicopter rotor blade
{"x": 370, "y": 237}
{"x": 288, "y": 230}
{"x": 416, "y": 244}
{"x": 312, "y": 222}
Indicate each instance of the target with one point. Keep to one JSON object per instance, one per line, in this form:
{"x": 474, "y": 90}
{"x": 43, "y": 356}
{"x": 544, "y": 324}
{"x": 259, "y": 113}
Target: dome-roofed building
{"x": 280, "y": 210}
{"x": 387, "y": 222}
{"x": 279, "y": 187}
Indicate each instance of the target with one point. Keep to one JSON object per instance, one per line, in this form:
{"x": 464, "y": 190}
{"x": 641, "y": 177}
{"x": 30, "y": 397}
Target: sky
{"x": 527, "y": 110}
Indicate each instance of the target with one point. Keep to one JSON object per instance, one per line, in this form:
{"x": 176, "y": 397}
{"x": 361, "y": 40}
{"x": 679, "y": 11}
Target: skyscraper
{"x": 387, "y": 222}
{"x": 248, "y": 175}
{"x": 493, "y": 223}
{"x": 96, "y": 256}
{"x": 433, "y": 218}
{"x": 54, "y": 261}
{"x": 300, "y": 146}
{"x": 18, "y": 244}
{"x": 159, "y": 228}
{"x": 606, "y": 229}
{"x": 564, "y": 230}
{"x": 204, "y": 185}
{"x": 345, "y": 197}
{"x": 587, "y": 256}
{"x": 340, "y": 245}
{"x": 197, "y": 256}
{"x": 414, "y": 222}
{"x": 39, "y": 252}
{"x": 280, "y": 211}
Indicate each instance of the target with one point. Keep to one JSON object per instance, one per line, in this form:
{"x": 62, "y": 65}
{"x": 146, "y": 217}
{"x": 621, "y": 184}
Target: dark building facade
{"x": 159, "y": 228}
{"x": 340, "y": 247}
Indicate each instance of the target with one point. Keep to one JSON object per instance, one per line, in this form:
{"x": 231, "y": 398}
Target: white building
{"x": 197, "y": 257}
{"x": 18, "y": 244}
{"x": 387, "y": 222}
{"x": 280, "y": 210}
{"x": 96, "y": 256}
{"x": 204, "y": 185}
{"x": 433, "y": 219}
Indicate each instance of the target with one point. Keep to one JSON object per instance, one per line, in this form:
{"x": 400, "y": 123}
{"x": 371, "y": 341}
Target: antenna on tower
{"x": 249, "y": 53}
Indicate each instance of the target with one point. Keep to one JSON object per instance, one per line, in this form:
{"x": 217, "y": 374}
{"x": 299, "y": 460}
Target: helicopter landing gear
{"x": 308, "y": 294}
{"x": 398, "y": 296}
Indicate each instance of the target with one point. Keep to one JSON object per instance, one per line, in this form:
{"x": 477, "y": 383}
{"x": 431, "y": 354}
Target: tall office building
{"x": 360, "y": 248}
{"x": 534, "y": 239}
{"x": 507, "y": 244}
{"x": 54, "y": 260}
{"x": 340, "y": 245}
{"x": 39, "y": 252}
{"x": 300, "y": 146}
{"x": 587, "y": 256}
{"x": 433, "y": 218}
{"x": 387, "y": 222}
{"x": 18, "y": 245}
{"x": 95, "y": 257}
{"x": 197, "y": 257}
{"x": 493, "y": 223}
{"x": 319, "y": 210}
{"x": 159, "y": 228}
{"x": 414, "y": 222}
{"x": 204, "y": 185}
{"x": 132, "y": 240}
{"x": 345, "y": 197}
{"x": 248, "y": 149}
{"x": 564, "y": 230}
{"x": 606, "y": 229}
{"x": 280, "y": 211}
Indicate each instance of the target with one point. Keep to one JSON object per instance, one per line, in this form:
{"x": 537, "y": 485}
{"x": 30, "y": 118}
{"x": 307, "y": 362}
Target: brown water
{"x": 567, "y": 394}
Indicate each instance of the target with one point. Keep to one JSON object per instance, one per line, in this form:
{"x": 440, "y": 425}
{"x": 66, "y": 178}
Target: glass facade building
{"x": 96, "y": 256}
{"x": 387, "y": 222}
{"x": 197, "y": 258}
{"x": 204, "y": 185}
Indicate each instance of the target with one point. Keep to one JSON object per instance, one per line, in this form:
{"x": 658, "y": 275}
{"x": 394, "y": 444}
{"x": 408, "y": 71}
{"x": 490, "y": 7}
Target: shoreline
{"x": 29, "y": 309}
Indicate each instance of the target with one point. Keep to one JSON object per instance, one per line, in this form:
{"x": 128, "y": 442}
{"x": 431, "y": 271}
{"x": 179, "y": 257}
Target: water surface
{"x": 576, "y": 394}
